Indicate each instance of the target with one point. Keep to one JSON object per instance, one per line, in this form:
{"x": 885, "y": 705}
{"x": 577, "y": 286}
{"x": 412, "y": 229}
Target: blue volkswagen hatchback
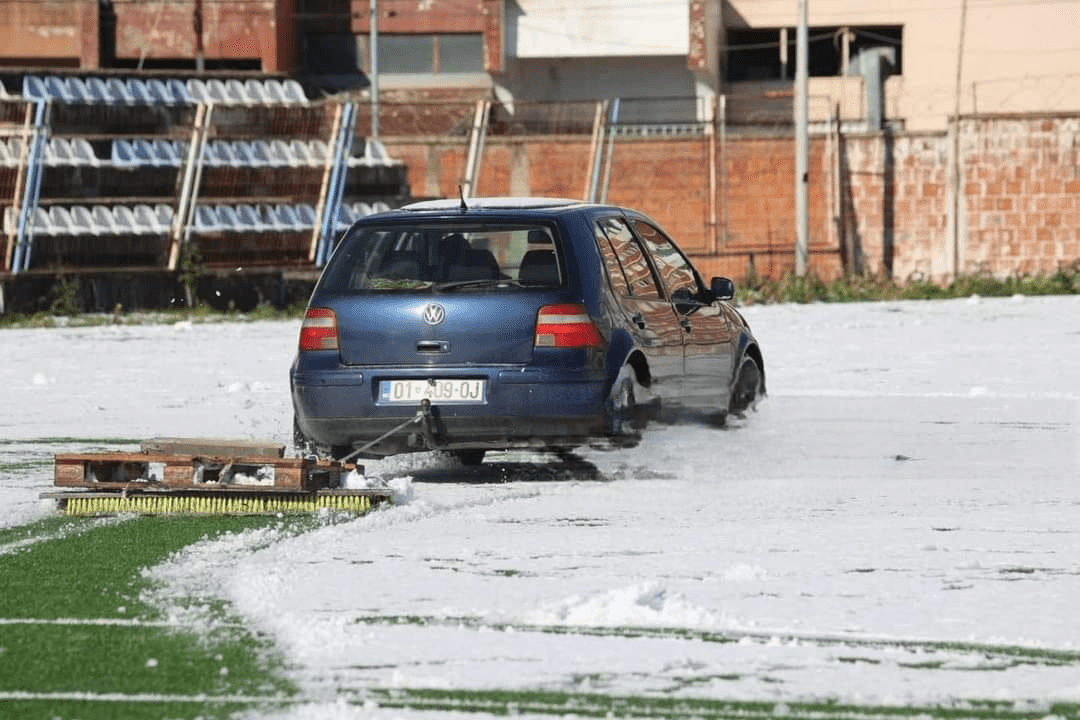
{"x": 512, "y": 323}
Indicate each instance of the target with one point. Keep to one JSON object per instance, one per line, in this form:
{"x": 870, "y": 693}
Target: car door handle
{"x": 638, "y": 320}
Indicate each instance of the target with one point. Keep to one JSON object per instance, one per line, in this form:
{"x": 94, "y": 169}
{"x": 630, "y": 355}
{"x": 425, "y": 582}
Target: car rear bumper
{"x": 523, "y": 407}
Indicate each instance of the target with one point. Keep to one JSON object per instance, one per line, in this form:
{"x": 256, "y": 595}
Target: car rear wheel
{"x": 747, "y": 389}
{"x": 469, "y": 457}
{"x": 625, "y": 420}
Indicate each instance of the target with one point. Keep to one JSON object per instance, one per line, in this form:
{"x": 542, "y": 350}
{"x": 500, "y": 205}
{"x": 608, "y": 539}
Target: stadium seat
{"x": 40, "y": 223}
{"x": 248, "y": 218}
{"x": 77, "y": 90}
{"x": 179, "y": 91}
{"x": 98, "y": 90}
{"x": 256, "y": 92}
{"x": 206, "y": 219}
{"x": 102, "y": 218}
{"x": 158, "y": 92}
{"x": 305, "y": 213}
{"x": 125, "y": 222}
{"x": 301, "y": 152}
{"x": 34, "y": 88}
{"x": 123, "y": 154}
{"x": 82, "y": 152}
{"x": 228, "y": 219}
{"x": 57, "y": 152}
{"x": 281, "y": 154}
{"x": 118, "y": 91}
{"x": 56, "y": 89}
{"x": 164, "y": 214}
{"x": 139, "y": 93}
{"x": 197, "y": 91}
{"x": 60, "y": 220}
{"x": 293, "y": 92}
{"x": 260, "y": 153}
{"x": 319, "y": 151}
{"x": 235, "y": 92}
{"x": 215, "y": 91}
{"x": 82, "y": 221}
{"x": 274, "y": 92}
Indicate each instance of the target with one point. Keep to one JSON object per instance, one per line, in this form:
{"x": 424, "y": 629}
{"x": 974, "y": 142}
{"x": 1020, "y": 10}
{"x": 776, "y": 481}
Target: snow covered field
{"x": 899, "y": 523}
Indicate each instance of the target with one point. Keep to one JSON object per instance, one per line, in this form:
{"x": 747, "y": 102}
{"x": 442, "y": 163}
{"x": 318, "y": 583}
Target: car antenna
{"x": 461, "y": 194}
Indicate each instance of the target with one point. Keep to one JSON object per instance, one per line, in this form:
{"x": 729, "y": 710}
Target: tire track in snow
{"x": 1016, "y": 654}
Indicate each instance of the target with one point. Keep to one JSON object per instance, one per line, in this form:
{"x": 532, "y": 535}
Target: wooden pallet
{"x": 203, "y": 464}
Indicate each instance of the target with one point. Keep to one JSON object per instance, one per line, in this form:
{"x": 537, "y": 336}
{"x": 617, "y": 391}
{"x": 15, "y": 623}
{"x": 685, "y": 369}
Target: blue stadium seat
{"x": 118, "y": 91}
{"x": 206, "y": 219}
{"x": 179, "y": 91}
{"x": 98, "y": 90}
{"x": 140, "y": 95}
{"x": 34, "y": 88}
{"x": 230, "y": 221}
{"x": 77, "y": 90}
{"x": 123, "y": 153}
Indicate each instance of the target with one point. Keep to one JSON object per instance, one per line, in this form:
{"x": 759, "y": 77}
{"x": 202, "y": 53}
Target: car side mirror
{"x": 722, "y": 288}
{"x": 684, "y": 302}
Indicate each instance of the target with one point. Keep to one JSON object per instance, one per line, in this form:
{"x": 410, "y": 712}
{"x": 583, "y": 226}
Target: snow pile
{"x": 645, "y": 604}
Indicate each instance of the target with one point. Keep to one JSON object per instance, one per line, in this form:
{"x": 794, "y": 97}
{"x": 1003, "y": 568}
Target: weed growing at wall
{"x": 789, "y": 288}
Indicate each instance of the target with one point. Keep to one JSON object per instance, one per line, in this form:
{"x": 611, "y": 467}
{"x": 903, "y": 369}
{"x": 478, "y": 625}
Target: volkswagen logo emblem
{"x": 434, "y": 314}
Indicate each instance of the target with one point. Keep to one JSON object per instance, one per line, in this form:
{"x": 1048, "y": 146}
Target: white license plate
{"x": 458, "y": 392}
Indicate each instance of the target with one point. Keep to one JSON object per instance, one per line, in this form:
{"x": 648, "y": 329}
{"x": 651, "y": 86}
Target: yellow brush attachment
{"x": 213, "y": 505}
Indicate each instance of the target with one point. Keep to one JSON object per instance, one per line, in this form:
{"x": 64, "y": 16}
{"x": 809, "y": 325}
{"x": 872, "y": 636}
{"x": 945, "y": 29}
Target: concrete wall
{"x": 598, "y": 28}
{"x": 1017, "y": 57}
{"x": 878, "y": 203}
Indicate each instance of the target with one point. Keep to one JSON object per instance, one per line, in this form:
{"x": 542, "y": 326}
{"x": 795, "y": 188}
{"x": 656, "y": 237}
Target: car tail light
{"x": 319, "y": 330}
{"x": 566, "y": 326}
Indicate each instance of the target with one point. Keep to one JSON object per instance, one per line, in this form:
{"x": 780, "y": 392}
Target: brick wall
{"x": 1021, "y": 194}
{"x": 880, "y": 205}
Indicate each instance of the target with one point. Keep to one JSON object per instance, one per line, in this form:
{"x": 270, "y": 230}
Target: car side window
{"x": 637, "y": 277}
{"x": 676, "y": 271}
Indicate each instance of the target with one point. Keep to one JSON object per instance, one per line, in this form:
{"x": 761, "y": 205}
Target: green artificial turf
{"x": 76, "y": 641}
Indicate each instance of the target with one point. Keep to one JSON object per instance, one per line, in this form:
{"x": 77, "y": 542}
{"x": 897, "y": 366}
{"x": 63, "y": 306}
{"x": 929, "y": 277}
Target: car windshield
{"x": 437, "y": 257}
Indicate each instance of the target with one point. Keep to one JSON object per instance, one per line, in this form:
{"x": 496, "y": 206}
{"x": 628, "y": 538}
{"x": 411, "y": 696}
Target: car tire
{"x": 625, "y": 421}
{"x": 469, "y": 457}
{"x": 747, "y": 388}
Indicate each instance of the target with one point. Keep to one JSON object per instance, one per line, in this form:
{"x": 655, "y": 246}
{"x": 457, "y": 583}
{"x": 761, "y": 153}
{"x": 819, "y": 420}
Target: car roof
{"x": 494, "y": 203}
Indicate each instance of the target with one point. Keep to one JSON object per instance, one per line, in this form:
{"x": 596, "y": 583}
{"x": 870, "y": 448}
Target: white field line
{"x": 104, "y": 622}
{"x": 145, "y": 698}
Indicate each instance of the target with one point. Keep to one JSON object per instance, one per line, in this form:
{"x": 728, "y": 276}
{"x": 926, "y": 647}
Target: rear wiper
{"x": 476, "y": 283}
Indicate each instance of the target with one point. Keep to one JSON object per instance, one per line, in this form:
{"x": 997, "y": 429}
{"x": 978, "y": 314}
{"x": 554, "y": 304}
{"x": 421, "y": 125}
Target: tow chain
{"x": 423, "y": 416}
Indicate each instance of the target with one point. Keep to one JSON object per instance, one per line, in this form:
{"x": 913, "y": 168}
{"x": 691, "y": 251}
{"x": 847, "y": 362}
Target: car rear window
{"x": 442, "y": 256}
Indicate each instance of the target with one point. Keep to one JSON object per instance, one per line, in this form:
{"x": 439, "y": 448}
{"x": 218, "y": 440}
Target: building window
{"x": 769, "y": 53}
{"x": 431, "y": 54}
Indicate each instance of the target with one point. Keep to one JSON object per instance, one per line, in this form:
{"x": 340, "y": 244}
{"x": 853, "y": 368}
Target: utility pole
{"x": 802, "y": 144}
{"x": 197, "y": 23}
{"x": 373, "y": 68}
{"x": 955, "y": 167}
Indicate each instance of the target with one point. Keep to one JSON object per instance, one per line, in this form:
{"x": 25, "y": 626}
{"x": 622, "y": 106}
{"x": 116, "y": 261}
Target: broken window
{"x": 769, "y": 53}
